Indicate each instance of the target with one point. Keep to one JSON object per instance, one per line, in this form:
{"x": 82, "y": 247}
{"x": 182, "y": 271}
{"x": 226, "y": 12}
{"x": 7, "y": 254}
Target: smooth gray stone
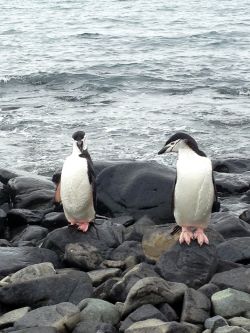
{"x": 237, "y": 278}
{"x": 62, "y": 316}
{"x": 99, "y": 311}
{"x": 215, "y": 322}
{"x": 13, "y": 259}
{"x": 121, "y": 289}
{"x": 230, "y": 329}
{"x": 240, "y": 321}
{"x": 100, "y": 275}
{"x": 153, "y": 290}
{"x": 32, "y": 272}
{"x": 9, "y": 318}
{"x": 230, "y": 302}
{"x": 196, "y": 307}
{"x": 159, "y": 326}
{"x": 144, "y": 312}
{"x": 71, "y": 286}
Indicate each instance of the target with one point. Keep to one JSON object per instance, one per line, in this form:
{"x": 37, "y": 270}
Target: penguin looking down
{"x": 194, "y": 193}
{"x": 77, "y": 190}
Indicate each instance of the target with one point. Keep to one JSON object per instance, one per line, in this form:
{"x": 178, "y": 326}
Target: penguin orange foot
{"x": 186, "y": 235}
{"x": 200, "y": 236}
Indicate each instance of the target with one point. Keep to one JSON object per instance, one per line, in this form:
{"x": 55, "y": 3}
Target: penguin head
{"x": 79, "y": 141}
{"x": 178, "y": 141}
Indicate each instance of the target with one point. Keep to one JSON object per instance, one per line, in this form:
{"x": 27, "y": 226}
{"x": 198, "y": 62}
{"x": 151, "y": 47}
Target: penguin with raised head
{"x": 76, "y": 189}
{"x": 195, "y": 194}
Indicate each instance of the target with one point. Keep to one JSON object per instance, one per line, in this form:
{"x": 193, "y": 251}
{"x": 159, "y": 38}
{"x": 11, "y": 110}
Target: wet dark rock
{"x": 3, "y": 217}
{"x": 103, "y": 291}
{"x": 229, "y": 225}
{"x": 34, "y": 330}
{"x": 235, "y": 250}
{"x": 125, "y": 220}
{"x": 14, "y": 258}
{"x": 32, "y": 233}
{"x": 63, "y": 317}
{"x": 4, "y": 194}
{"x": 21, "y": 216}
{"x": 6, "y": 175}
{"x": 245, "y": 216}
{"x": 130, "y": 252}
{"x": 196, "y": 307}
{"x": 100, "y": 275}
{"x": 237, "y": 278}
{"x": 168, "y": 311}
{"x": 209, "y": 289}
{"x": 31, "y": 192}
{"x": 153, "y": 290}
{"x": 54, "y": 220}
{"x": 225, "y": 265}
{"x": 232, "y": 165}
{"x": 71, "y": 287}
{"x": 120, "y": 290}
{"x": 83, "y": 255}
{"x": 99, "y": 311}
{"x": 103, "y": 235}
{"x": 232, "y": 183}
{"x": 144, "y": 312}
{"x": 94, "y": 327}
{"x": 192, "y": 265}
{"x": 136, "y": 188}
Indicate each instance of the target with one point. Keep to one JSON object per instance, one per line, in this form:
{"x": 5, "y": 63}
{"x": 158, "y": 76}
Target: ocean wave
{"x": 243, "y": 91}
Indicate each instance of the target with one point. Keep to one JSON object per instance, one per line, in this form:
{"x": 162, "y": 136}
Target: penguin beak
{"x": 162, "y": 151}
{"x": 80, "y": 145}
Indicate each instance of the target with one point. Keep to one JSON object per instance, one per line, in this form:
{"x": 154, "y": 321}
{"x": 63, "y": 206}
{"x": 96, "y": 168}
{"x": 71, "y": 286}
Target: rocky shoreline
{"x": 128, "y": 273}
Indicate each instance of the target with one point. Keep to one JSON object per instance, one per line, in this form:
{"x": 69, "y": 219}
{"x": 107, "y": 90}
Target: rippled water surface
{"x": 130, "y": 73}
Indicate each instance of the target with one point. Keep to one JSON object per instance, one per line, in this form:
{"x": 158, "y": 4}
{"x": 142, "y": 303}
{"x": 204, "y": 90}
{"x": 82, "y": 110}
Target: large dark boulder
{"x": 235, "y": 250}
{"x": 232, "y": 183}
{"x": 191, "y": 264}
{"x": 31, "y": 192}
{"x": 120, "y": 290}
{"x": 72, "y": 286}
{"x": 229, "y": 225}
{"x": 102, "y": 234}
{"x": 32, "y": 235}
{"x": 232, "y": 165}
{"x": 14, "y": 258}
{"x": 137, "y": 189}
{"x": 237, "y": 278}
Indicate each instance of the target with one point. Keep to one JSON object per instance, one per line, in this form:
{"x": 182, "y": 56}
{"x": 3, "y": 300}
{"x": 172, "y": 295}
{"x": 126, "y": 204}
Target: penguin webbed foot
{"x": 186, "y": 236}
{"x": 200, "y": 236}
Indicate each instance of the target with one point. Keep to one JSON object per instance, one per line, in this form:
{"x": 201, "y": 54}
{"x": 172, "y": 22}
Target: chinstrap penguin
{"x": 195, "y": 194}
{"x": 76, "y": 189}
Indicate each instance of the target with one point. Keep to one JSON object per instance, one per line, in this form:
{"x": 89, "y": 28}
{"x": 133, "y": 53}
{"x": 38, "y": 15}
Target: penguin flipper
{"x": 57, "y": 196}
{"x": 56, "y": 179}
{"x": 216, "y": 203}
{"x": 91, "y": 175}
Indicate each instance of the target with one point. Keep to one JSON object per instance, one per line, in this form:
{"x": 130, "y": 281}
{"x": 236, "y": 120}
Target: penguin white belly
{"x": 76, "y": 191}
{"x": 194, "y": 192}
